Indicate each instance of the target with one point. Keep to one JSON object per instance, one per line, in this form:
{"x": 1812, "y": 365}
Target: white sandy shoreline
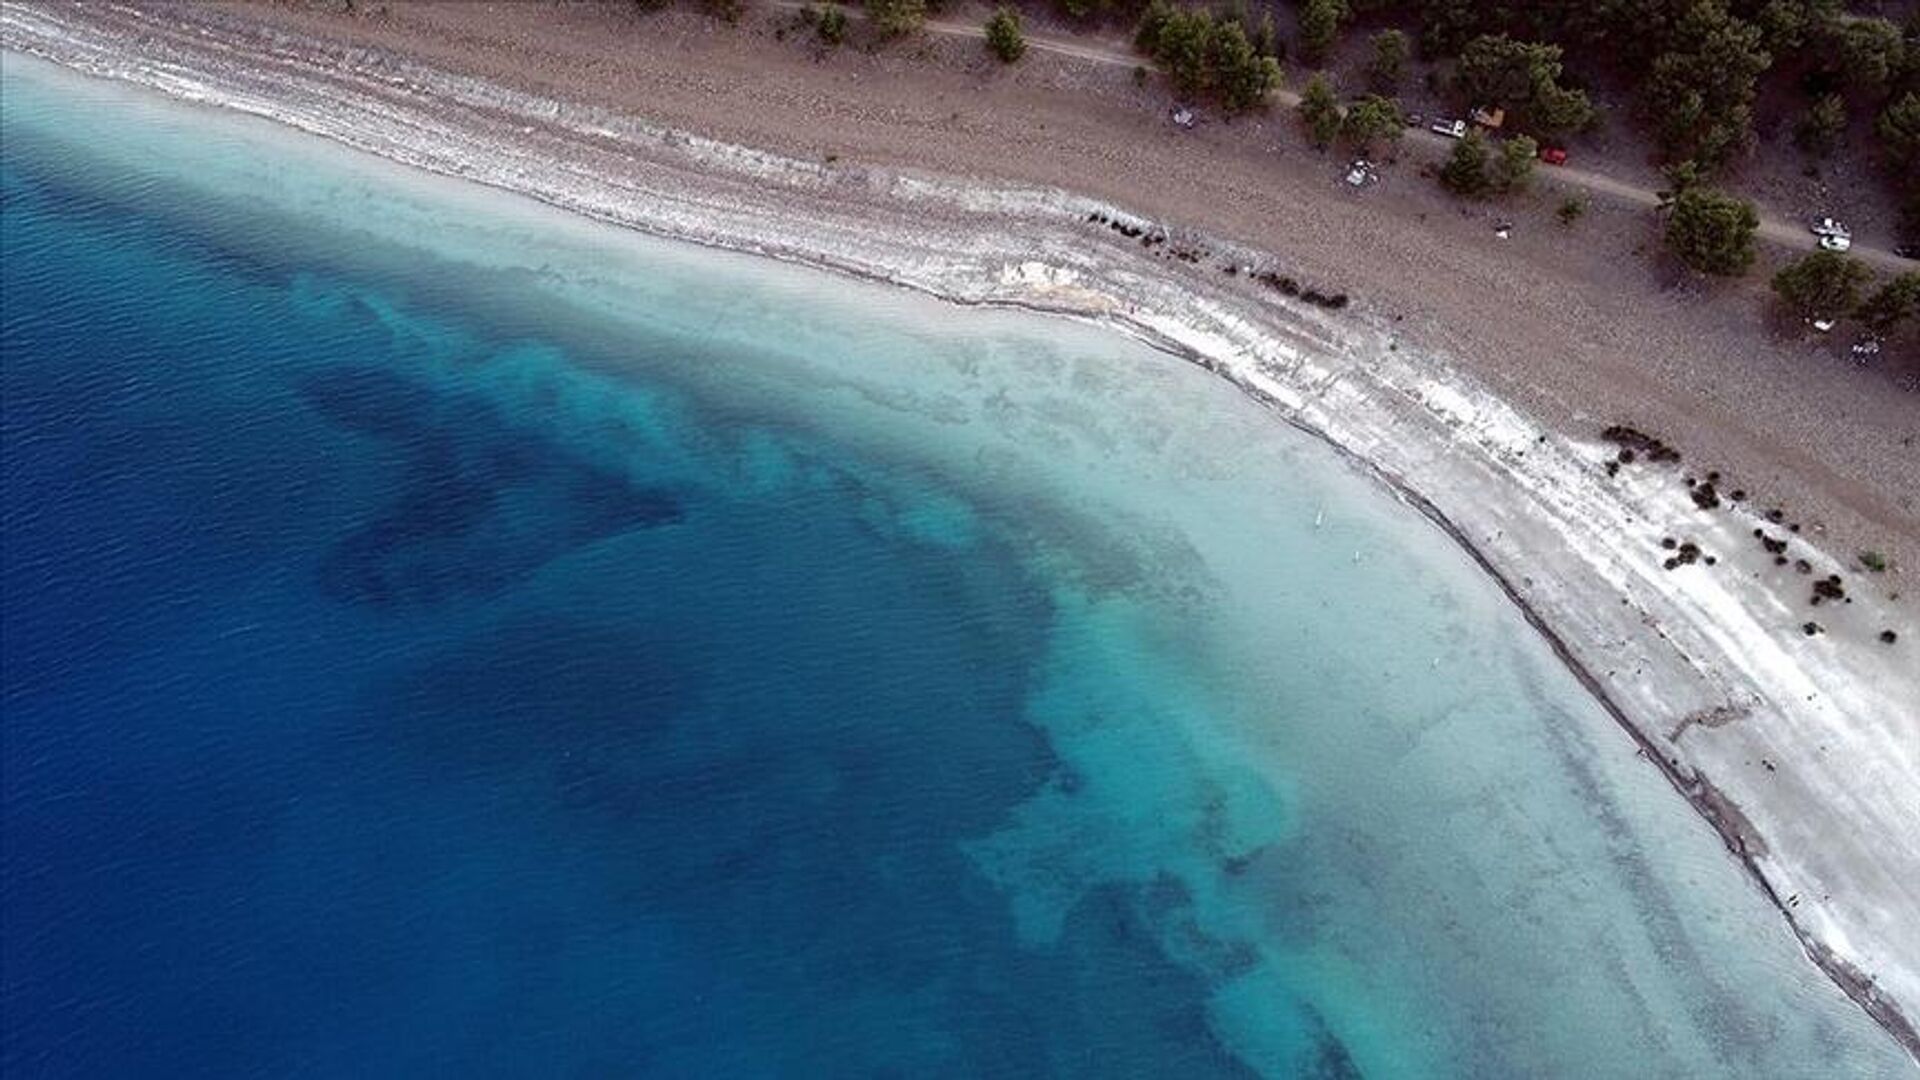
{"x": 1815, "y": 787}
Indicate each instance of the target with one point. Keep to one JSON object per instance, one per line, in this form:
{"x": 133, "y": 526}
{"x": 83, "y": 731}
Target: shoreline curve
{"x": 1305, "y": 367}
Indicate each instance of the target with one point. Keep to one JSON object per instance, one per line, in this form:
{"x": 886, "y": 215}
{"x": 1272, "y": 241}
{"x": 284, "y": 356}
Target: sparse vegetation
{"x": 1710, "y": 231}
{"x": 1572, "y": 209}
{"x": 1874, "y": 561}
{"x": 1825, "y": 284}
{"x": 1004, "y": 37}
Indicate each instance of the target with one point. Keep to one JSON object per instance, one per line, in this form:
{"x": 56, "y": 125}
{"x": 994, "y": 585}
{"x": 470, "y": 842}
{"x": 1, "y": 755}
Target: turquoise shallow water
{"x": 446, "y": 636}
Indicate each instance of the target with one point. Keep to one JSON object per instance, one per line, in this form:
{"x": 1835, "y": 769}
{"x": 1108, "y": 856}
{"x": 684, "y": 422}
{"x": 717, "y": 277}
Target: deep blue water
{"x": 442, "y": 637}
{"x": 364, "y": 719}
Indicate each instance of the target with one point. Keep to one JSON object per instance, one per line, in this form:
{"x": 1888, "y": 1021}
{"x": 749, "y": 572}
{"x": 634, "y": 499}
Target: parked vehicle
{"x": 1822, "y": 324}
{"x": 1826, "y": 226}
{"x": 1184, "y": 117}
{"x": 1553, "y": 155}
{"x": 1414, "y": 119}
{"x": 1908, "y": 251}
{"x": 1360, "y": 172}
{"x": 1452, "y": 129}
{"x": 1836, "y": 242}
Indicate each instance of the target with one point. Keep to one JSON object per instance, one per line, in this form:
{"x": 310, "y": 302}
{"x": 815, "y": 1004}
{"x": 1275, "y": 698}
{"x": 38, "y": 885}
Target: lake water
{"x": 443, "y": 636}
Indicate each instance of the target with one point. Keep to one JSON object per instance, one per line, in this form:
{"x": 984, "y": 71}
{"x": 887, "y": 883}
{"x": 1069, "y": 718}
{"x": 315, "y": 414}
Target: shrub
{"x": 1874, "y": 561}
{"x": 830, "y": 24}
{"x": 1572, "y": 209}
{"x": 1004, "y": 36}
{"x": 1825, "y": 283}
{"x": 1712, "y": 232}
{"x": 894, "y": 18}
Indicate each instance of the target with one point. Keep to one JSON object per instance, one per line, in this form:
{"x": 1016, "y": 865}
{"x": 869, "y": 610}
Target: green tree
{"x": 1893, "y": 302}
{"x": 1825, "y": 284}
{"x": 1465, "y": 172}
{"x": 1390, "y": 52}
{"x": 1899, "y": 131}
{"x": 1871, "y": 51}
{"x": 1004, "y": 37}
{"x": 1786, "y": 25}
{"x": 1203, "y": 55}
{"x": 1320, "y": 27}
{"x": 1712, "y": 232}
{"x": 1176, "y": 39}
{"x": 1370, "y": 120}
{"x": 1514, "y": 167}
{"x": 1821, "y": 126}
{"x": 1680, "y": 176}
{"x": 1241, "y": 77}
{"x": 1699, "y": 93}
{"x": 1320, "y": 111}
{"x": 894, "y": 18}
{"x": 1524, "y": 77}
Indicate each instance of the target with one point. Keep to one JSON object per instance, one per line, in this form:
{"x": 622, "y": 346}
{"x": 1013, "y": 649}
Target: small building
{"x": 1491, "y": 119}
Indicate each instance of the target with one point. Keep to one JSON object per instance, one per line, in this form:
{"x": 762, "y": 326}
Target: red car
{"x": 1553, "y": 155}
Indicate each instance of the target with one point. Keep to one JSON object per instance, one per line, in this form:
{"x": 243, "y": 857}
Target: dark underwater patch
{"x": 482, "y": 502}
